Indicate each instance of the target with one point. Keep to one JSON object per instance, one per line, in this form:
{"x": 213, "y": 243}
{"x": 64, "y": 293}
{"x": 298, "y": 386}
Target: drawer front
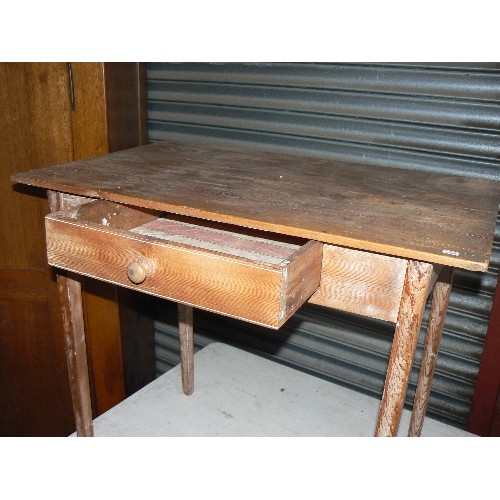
{"x": 262, "y": 294}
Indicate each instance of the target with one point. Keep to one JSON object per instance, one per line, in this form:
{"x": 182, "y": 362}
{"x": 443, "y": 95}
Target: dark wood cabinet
{"x": 54, "y": 113}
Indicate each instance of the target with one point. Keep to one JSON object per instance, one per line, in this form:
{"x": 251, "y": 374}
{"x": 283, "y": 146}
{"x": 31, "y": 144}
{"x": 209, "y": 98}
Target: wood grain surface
{"x": 416, "y": 285}
{"x": 70, "y": 294}
{"x": 186, "y": 347}
{"x": 240, "y": 287}
{"x": 418, "y": 215}
{"x": 361, "y": 282}
{"x": 35, "y": 127}
{"x": 75, "y": 332}
{"x": 435, "y": 325}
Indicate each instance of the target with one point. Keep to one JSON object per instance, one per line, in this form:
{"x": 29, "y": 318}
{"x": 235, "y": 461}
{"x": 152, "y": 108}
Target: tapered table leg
{"x": 440, "y": 297}
{"x": 70, "y": 296}
{"x": 76, "y": 352}
{"x": 411, "y": 309}
{"x": 186, "y": 342}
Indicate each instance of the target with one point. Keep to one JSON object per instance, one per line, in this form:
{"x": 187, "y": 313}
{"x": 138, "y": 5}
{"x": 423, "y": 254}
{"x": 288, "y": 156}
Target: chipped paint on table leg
{"x": 440, "y": 297}
{"x": 416, "y": 284}
{"x": 76, "y": 352}
{"x": 70, "y": 296}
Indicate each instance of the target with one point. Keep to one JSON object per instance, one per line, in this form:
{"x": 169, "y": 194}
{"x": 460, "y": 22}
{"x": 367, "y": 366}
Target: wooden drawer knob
{"x": 139, "y": 270}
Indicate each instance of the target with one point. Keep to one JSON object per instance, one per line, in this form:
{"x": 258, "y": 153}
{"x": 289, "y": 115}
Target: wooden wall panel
{"x": 39, "y": 128}
{"x": 35, "y": 131}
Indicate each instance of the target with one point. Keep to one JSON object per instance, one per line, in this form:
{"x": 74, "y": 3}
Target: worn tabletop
{"x": 431, "y": 217}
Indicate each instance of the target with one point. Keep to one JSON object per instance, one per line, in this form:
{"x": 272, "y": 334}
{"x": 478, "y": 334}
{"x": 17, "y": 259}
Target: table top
{"x": 444, "y": 219}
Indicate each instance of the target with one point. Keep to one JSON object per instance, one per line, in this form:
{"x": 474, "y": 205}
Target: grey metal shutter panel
{"x": 440, "y": 117}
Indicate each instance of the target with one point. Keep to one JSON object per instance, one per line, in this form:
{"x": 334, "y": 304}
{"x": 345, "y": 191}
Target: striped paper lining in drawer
{"x": 236, "y": 244}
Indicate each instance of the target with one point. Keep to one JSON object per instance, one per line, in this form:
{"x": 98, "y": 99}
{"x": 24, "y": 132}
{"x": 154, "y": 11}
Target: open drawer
{"x": 254, "y": 276}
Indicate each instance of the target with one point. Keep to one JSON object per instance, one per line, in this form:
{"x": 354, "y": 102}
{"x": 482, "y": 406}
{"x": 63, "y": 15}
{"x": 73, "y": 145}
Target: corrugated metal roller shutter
{"x": 428, "y": 117}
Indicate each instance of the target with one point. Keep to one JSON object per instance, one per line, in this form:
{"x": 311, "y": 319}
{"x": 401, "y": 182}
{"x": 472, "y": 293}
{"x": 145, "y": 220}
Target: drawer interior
{"x": 242, "y": 243}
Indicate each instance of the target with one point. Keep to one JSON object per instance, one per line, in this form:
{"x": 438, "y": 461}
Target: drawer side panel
{"x": 303, "y": 276}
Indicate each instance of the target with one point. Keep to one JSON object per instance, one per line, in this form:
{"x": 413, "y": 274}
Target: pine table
{"x": 254, "y": 235}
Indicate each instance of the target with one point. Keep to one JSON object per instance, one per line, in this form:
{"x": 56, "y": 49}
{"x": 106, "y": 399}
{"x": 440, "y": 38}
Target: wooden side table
{"x": 254, "y": 235}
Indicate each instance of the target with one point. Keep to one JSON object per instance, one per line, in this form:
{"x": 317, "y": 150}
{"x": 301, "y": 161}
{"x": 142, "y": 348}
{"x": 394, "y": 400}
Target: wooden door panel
{"x": 38, "y": 127}
{"x": 30, "y": 100}
{"x": 13, "y": 285}
{"x": 35, "y": 131}
{"x": 33, "y": 374}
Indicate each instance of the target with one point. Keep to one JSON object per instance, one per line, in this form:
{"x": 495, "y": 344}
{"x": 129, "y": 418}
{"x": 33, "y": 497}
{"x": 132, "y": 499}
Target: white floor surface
{"x": 241, "y": 394}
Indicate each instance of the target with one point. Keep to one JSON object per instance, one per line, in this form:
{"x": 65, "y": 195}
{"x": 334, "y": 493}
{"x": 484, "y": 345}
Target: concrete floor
{"x": 240, "y": 394}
